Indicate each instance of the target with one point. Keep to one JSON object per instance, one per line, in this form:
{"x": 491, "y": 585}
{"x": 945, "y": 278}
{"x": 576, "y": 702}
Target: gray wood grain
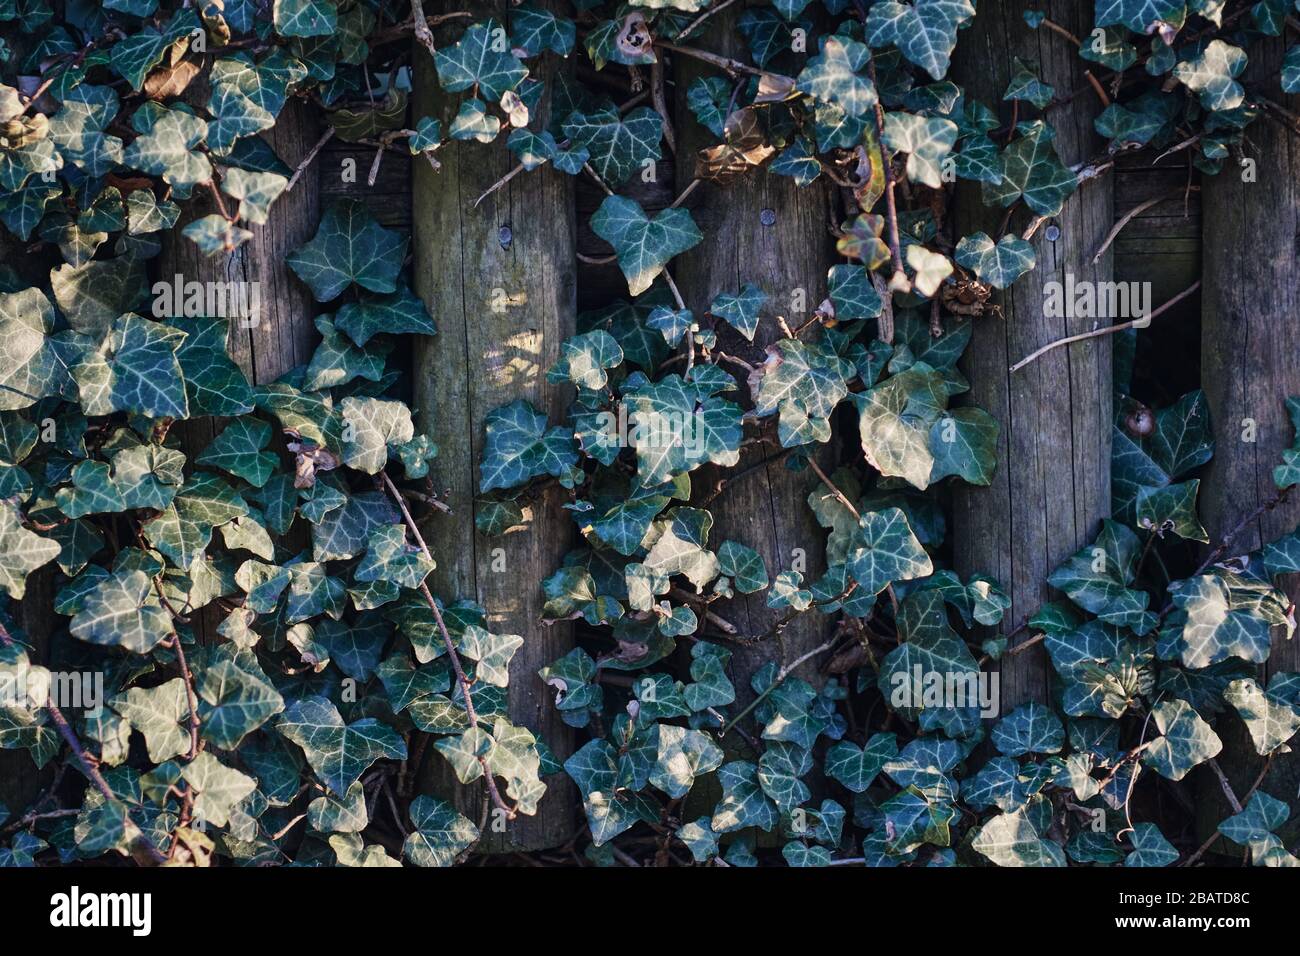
{"x": 1249, "y": 366}
{"x": 766, "y": 509}
{"x": 1052, "y": 485}
{"x": 517, "y": 246}
{"x": 282, "y": 336}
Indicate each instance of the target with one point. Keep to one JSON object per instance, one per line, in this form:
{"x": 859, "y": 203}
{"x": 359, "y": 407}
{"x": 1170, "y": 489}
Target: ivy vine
{"x": 296, "y": 736}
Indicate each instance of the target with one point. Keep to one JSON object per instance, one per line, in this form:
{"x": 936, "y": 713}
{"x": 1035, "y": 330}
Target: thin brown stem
{"x": 450, "y": 646}
{"x": 1108, "y": 330}
{"x": 725, "y": 63}
{"x": 691, "y": 27}
{"x": 420, "y": 24}
{"x": 1061, "y": 31}
{"x": 564, "y": 144}
{"x": 306, "y": 160}
{"x": 1216, "y": 835}
{"x": 1129, "y": 216}
{"x": 898, "y": 281}
{"x": 145, "y": 851}
{"x": 1226, "y": 785}
{"x": 839, "y": 495}
{"x": 781, "y": 675}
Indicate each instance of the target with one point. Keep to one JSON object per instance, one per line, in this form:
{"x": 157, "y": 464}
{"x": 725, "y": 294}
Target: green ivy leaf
{"x": 998, "y": 264}
{"x": 235, "y": 698}
{"x": 1150, "y": 848}
{"x": 1025, "y": 85}
{"x": 535, "y": 30}
{"x": 21, "y": 553}
{"x": 161, "y": 714}
{"x": 595, "y": 769}
{"x": 883, "y": 550}
{"x": 683, "y": 755}
{"x": 390, "y": 557}
{"x": 618, "y": 145}
{"x": 744, "y": 803}
{"x": 1031, "y": 170}
{"x": 1263, "y": 814}
{"x": 78, "y": 129}
{"x": 740, "y": 311}
{"x": 1220, "y": 616}
{"x": 30, "y": 365}
{"x": 400, "y": 313}
{"x": 123, "y": 611}
{"x": 1140, "y": 16}
{"x": 1288, "y": 473}
{"x": 339, "y": 752}
{"x": 852, "y": 293}
{"x": 802, "y": 382}
{"x": 644, "y": 246}
{"x": 926, "y": 140}
{"x": 1187, "y": 741}
{"x": 134, "y": 369}
{"x": 167, "y": 146}
{"x": 1097, "y": 577}
{"x": 679, "y": 429}
{"x": 479, "y": 60}
{"x": 95, "y": 293}
{"x": 1271, "y": 719}
{"x": 857, "y": 767}
{"x": 743, "y": 565}
{"x": 925, "y": 31}
{"x": 331, "y": 814}
{"x": 584, "y": 360}
{"x": 1011, "y": 839}
{"x": 185, "y": 526}
{"x": 217, "y": 788}
{"x": 1029, "y": 729}
{"x": 519, "y": 447}
{"x": 1291, "y": 70}
{"x": 1212, "y": 73}
{"x": 305, "y": 18}
{"x": 895, "y": 421}
{"x": 214, "y": 385}
{"x": 833, "y": 76}
{"x": 349, "y": 247}
{"x": 375, "y": 424}
{"x": 440, "y": 834}
{"x": 238, "y": 450}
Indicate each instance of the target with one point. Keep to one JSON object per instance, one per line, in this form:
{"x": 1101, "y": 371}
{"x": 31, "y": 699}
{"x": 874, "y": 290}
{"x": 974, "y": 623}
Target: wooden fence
{"x": 530, "y": 240}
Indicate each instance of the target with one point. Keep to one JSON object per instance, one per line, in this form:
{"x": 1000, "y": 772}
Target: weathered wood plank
{"x": 766, "y": 230}
{"x": 499, "y": 280}
{"x": 1052, "y": 485}
{"x": 388, "y": 200}
{"x": 282, "y": 335}
{"x": 1250, "y": 315}
{"x": 1250, "y": 319}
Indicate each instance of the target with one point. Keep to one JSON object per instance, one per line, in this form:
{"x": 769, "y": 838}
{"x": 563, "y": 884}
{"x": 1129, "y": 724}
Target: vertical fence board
{"x": 516, "y": 247}
{"x": 1249, "y": 362}
{"x": 766, "y": 230}
{"x": 282, "y": 334}
{"x": 1052, "y": 485}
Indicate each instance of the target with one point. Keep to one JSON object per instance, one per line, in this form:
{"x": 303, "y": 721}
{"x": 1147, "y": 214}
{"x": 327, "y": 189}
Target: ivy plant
{"x": 277, "y": 666}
